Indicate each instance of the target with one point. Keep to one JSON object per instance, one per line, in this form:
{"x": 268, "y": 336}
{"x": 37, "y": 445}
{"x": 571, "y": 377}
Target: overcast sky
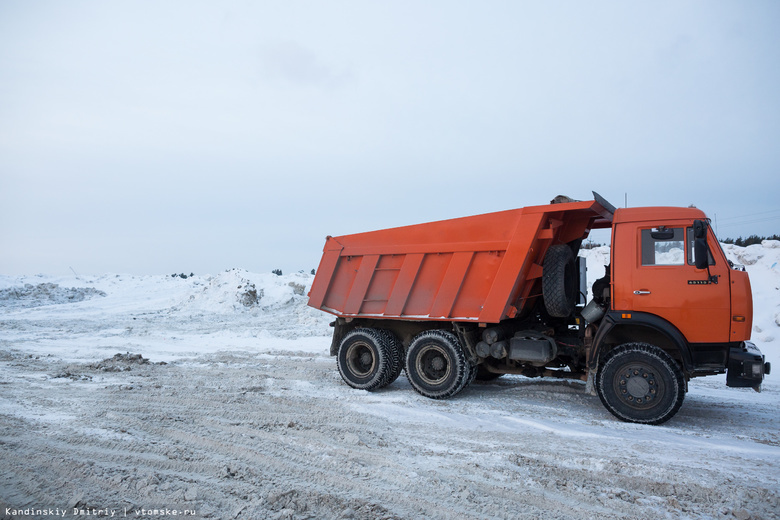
{"x": 152, "y": 137}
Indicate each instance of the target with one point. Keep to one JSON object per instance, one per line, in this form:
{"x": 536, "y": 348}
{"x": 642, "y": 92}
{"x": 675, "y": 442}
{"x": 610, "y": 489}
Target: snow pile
{"x": 164, "y": 316}
{"x": 675, "y": 256}
{"x": 29, "y": 295}
{"x": 762, "y": 263}
{"x": 226, "y": 292}
{"x": 596, "y": 260}
{"x": 238, "y": 290}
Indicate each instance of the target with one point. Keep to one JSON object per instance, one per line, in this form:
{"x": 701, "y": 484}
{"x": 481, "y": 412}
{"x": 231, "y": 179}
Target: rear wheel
{"x": 396, "y": 353}
{"x": 364, "y": 359}
{"x": 436, "y": 365}
{"x": 640, "y": 383}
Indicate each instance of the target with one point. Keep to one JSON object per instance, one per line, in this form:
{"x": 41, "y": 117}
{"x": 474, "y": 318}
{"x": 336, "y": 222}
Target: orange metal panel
{"x": 476, "y": 285}
{"x": 535, "y": 271}
{"x": 428, "y": 247}
{"x": 451, "y": 284}
{"x": 325, "y": 272}
{"x": 741, "y": 305}
{"x": 427, "y": 285}
{"x": 358, "y": 291}
{"x": 403, "y": 284}
{"x": 509, "y": 274}
{"x": 341, "y": 281}
{"x": 385, "y": 275}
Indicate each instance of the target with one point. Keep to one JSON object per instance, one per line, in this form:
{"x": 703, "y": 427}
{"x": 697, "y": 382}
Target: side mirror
{"x": 701, "y": 253}
{"x": 700, "y": 229}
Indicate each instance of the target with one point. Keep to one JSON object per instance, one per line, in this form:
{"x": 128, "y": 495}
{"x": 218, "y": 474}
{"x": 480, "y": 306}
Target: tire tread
{"x": 655, "y": 353}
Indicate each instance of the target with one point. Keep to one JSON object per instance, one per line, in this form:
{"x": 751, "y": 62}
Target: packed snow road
{"x": 277, "y": 435}
{"x": 228, "y": 406}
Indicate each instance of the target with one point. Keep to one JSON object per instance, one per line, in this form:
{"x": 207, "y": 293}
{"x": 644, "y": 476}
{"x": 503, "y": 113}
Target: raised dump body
{"x": 483, "y": 268}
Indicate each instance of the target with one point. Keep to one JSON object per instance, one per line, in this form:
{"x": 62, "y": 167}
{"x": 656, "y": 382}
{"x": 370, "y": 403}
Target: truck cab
{"x": 654, "y": 271}
{"x": 671, "y": 285}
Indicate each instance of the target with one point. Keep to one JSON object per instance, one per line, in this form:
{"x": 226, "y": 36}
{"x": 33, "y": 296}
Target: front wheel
{"x": 640, "y": 383}
{"x": 436, "y": 365}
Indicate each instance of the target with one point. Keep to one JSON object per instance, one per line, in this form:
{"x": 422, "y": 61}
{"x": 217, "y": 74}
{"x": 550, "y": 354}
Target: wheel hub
{"x": 637, "y": 386}
{"x": 360, "y": 359}
{"x": 432, "y": 365}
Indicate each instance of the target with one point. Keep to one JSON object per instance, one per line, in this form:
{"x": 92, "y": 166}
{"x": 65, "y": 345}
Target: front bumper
{"x": 746, "y": 367}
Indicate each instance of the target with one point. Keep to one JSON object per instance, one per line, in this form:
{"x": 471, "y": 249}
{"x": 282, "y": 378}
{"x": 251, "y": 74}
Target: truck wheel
{"x": 396, "y": 351}
{"x": 436, "y": 365}
{"x": 364, "y": 359}
{"x": 640, "y": 383}
{"x": 559, "y": 283}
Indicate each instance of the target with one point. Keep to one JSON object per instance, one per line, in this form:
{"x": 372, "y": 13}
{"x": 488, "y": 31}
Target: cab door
{"x": 664, "y": 281}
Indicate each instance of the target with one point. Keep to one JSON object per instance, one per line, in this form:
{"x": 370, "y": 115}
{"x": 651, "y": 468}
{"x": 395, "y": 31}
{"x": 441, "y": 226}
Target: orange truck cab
{"x": 504, "y": 293}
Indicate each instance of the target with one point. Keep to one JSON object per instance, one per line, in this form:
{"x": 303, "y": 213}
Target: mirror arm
{"x": 713, "y": 278}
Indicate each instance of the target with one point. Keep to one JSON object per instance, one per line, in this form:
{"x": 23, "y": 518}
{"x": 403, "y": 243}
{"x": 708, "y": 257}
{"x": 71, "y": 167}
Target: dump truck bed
{"x": 482, "y": 268}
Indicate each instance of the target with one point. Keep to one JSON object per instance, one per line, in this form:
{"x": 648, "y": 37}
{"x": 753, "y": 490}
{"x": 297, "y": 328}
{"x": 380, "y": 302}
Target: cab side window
{"x": 663, "y": 246}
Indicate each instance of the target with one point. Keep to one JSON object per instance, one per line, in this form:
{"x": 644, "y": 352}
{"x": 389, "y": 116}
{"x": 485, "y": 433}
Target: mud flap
{"x": 590, "y": 383}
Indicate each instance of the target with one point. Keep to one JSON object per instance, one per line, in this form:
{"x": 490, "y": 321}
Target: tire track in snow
{"x": 236, "y": 436}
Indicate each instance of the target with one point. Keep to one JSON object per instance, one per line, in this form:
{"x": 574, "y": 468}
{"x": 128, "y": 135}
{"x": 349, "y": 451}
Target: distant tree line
{"x": 278, "y": 272}
{"x": 749, "y": 241}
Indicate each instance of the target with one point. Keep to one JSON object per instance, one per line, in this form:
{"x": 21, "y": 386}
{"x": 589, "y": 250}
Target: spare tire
{"x": 559, "y": 281}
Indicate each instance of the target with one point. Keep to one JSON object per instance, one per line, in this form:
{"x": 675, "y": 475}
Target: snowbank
{"x": 46, "y": 293}
{"x": 160, "y": 317}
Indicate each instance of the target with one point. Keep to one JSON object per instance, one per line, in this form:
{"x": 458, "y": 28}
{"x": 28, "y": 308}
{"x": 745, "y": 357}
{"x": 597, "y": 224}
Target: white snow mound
{"x": 29, "y": 295}
{"x": 238, "y": 290}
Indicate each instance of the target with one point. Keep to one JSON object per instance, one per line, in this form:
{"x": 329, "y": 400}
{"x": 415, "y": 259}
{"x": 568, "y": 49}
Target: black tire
{"x": 484, "y": 374}
{"x": 559, "y": 281}
{"x": 364, "y": 359}
{"x": 436, "y": 365}
{"x": 640, "y": 383}
{"x": 396, "y": 351}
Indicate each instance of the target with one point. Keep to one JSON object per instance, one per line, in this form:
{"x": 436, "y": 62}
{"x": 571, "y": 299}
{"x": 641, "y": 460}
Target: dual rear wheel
{"x": 369, "y": 359}
{"x": 436, "y": 366}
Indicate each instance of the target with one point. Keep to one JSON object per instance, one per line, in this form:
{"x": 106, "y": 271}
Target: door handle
{"x": 641, "y": 292}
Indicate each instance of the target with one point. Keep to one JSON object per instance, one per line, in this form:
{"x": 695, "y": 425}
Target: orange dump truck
{"x": 505, "y": 293}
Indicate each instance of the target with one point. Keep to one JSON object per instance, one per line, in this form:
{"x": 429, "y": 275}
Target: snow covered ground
{"x": 216, "y": 394}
